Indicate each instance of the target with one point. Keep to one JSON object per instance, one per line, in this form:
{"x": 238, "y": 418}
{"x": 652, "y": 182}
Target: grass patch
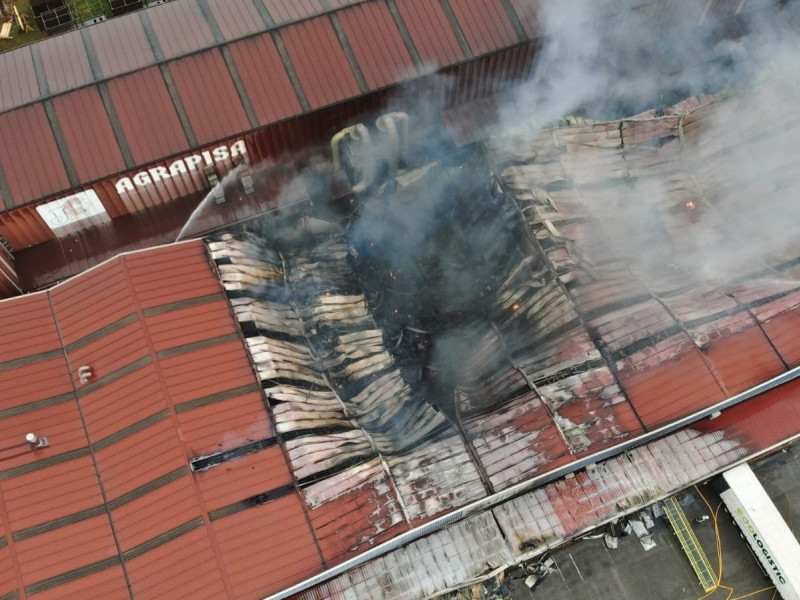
{"x": 17, "y": 37}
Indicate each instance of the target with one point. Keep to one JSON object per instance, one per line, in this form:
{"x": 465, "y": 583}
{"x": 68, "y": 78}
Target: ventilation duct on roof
{"x": 350, "y": 150}
{"x": 36, "y": 442}
{"x": 394, "y": 133}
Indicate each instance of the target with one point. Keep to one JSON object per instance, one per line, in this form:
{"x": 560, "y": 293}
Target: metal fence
{"x": 79, "y": 13}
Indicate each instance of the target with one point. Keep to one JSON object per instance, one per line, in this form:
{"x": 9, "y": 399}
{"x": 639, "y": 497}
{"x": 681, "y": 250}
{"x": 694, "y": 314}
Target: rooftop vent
{"x": 36, "y": 442}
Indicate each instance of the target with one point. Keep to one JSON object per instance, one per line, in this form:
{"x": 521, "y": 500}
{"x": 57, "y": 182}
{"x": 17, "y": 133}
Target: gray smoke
{"x": 437, "y": 247}
{"x": 740, "y": 163}
{"x": 609, "y": 64}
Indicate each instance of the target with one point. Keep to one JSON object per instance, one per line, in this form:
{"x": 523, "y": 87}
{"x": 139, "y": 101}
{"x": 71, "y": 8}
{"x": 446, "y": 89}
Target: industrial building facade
{"x": 127, "y": 115}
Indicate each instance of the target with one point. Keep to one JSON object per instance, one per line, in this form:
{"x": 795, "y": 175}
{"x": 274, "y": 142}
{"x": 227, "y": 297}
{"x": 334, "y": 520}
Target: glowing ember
{"x": 515, "y": 306}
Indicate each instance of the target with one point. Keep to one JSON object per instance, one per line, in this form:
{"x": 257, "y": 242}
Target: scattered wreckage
{"x": 451, "y": 325}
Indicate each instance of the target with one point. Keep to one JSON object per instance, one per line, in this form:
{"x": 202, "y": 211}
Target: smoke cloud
{"x": 710, "y": 201}
{"x": 733, "y": 163}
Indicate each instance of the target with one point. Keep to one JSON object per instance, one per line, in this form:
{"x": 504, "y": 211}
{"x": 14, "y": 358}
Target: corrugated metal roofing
{"x": 66, "y": 64}
{"x": 252, "y": 540}
{"x": 165, "y": 572}
{"x": 17, "y": 66}
{"x": 208, "y": 95}
{"x": 528, "y": 13}
{"x": 85, "y": 125}
{"x": 26, "y": 328}
{"x": 147, "y": 116}
{"x": 485, "y": 23}
{"x": 377, "y": 45}
{"x": 121, "y": 45}
{"x": 337, "y": 51}
{"x": 180, "y": 28}
{"x": 538, "y": 520}
{"x": 431, "y": 33}
{"x": 372, "y": 52}
{"x": 322, "y": 67}
{"x": 283, "y": 11}
{"x": 115, "y": 319}
{"x": 236, "y": 19}
{"x": 171, "y": 384}
{"x": 170, "y": 381}
{"x": 29, "y": 155}
{"x": 633, "y": 349}
{"x": 265, "y": 79}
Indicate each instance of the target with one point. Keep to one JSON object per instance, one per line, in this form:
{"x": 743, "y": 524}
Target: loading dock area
{"x": 587, "y": 569}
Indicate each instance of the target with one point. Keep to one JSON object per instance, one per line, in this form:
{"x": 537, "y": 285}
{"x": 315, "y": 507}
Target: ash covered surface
{"x": 437, "y": 329}
{"x": 436, "y": 324}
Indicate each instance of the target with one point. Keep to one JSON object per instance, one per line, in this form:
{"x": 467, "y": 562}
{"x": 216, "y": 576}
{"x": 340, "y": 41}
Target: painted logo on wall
{"x": 181, "y": 166}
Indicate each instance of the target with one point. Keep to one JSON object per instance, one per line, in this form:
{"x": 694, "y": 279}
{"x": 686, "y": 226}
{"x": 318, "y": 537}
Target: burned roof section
{"x": 466, "y": 319}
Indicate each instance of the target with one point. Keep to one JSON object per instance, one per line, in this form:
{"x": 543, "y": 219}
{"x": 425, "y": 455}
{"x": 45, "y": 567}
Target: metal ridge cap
{"x": 527, "y": 486}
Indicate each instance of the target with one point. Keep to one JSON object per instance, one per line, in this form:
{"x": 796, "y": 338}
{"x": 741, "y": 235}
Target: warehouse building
{"x": 262, "y": 412}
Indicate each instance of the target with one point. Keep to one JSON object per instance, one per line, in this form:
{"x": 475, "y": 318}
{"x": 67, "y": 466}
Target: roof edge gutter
{"x": 531, "y": 484}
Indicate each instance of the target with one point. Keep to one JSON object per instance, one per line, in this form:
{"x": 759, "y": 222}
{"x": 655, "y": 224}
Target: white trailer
{"x": 764, "y": 529}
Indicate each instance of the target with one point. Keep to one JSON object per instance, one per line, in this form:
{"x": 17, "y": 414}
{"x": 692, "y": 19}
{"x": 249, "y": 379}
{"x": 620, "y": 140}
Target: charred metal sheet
{"x": 537, "y": 521}
{"x": 455, "y": 555}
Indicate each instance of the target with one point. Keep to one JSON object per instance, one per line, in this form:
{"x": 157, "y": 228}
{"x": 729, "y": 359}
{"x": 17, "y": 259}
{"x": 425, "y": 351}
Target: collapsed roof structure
{"x": 400, "y": 363}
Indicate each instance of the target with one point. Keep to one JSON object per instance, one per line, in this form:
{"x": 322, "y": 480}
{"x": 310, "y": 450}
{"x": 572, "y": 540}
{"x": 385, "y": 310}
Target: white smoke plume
{"x": 740, "y": 164}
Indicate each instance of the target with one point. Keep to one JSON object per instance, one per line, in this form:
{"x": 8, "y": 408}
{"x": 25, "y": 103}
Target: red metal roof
{"x": 485, "y": 24}
{"x": 236, "y": 19}
{"x": 527, "y": 11}
{"x": 251, "y": 541}
{"x": 85, "y": 125}
{"x": 377, "y": 48}
{"x": 66, "y": 64}
{"x": 558, "y": 511}
{"x": 147, "y": 116}
{"x": 310, "y": 61}
{"x": 170, "y": 381}
{"x": 283, "y": 11}
{"x": 29, "y": 155}
{"x": 180, "y": 28}
{"x": 377, "y": 45}
{"x": 322, "y": 67}
{"x": 121, "y": 45}
{"x": 17, "y": 66}
{"x": 208, "y": 95}
{"x": 265, "y": 79}
{"x": 430, "y": 32}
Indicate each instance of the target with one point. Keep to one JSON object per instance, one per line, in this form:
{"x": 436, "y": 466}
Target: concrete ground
{"x": 587, "y": 570}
